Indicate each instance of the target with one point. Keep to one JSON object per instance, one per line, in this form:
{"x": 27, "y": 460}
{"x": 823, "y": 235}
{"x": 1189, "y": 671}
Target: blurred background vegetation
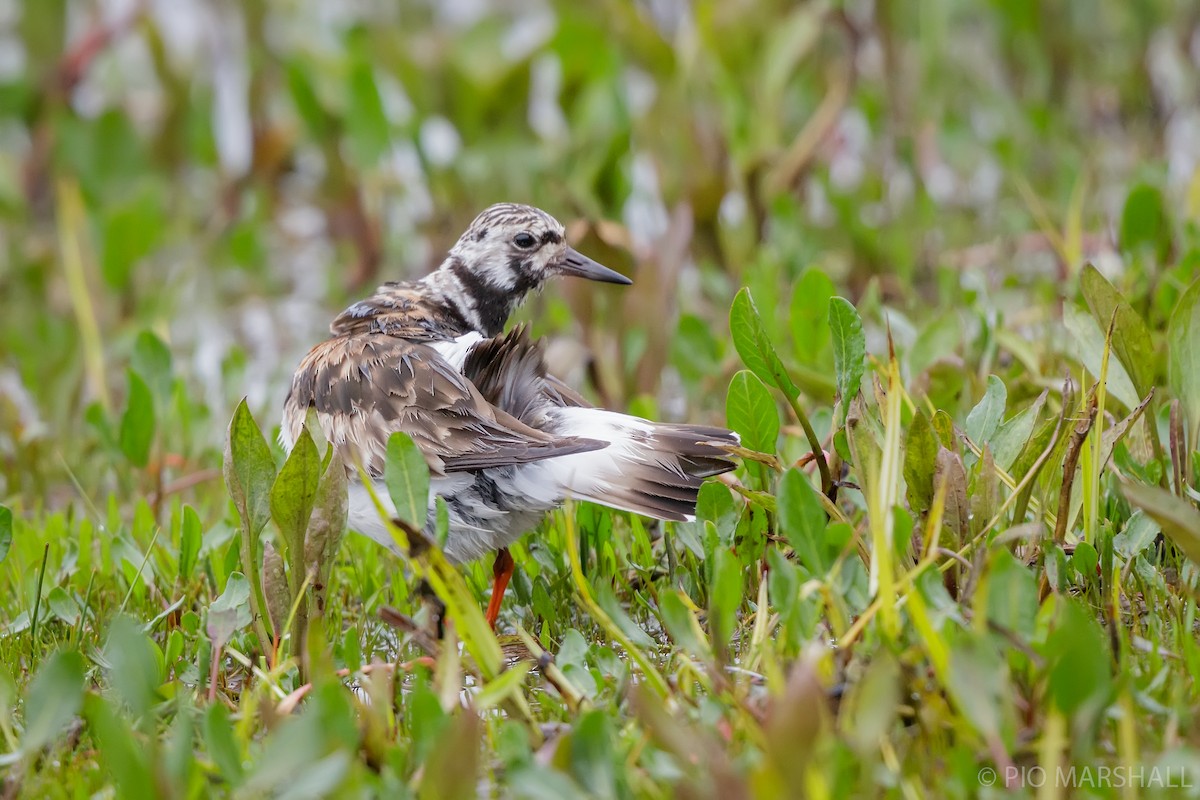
{"x": 230, "y": 174}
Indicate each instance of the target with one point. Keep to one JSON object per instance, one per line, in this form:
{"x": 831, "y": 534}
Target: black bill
{"x": 577, "y": 264}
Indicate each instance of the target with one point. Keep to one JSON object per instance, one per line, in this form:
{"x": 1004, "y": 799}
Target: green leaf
{"x": 809, "y": 316}
{"x": 753, "y": 344}
{"x": 1011, "y": 594}
{"x": 1144, "y": 222}
{"x": 592, "y": 758}
{"x": 308, "y": 106}
{"x": 1078, "y": 661}
{"x": 54, "y": 698}
{"x": 751, "y": 411}
{"x": 1015, "y": 433}
{"x": 130, "y": 233}
{"x": 1179, "y": 519}
{"x": 407, "y": 477}
{"x": 984, "y": 419}
{"x": 221, "y": 744}
{"x": 1131, "y": 340}
{"x": 122, "y": 753}
{"x": 1139, "y": 533}
{"x": 920, "y": 457}
{"x": 682, "y": 625}
{"x": 62, "y": 605}
{"x": 249, "y": 471}
{"x": 6, "y": 531}
{"x": 366, "y": 124}
{"x": 133, "y": 665}
{"x": 137, "y": 423}
{"x": 293, "y": 496}
{"x": 1086, "y": 343}
{"x": 978, "y": 682}
{"x": 190, "y": 537}
{"x": 725, "y": 596}
{"x": 230, "y": 612}
{"x": 1183, "y": 354}
{"x": 802, "y": 518}
{"x": 849, "y": 351}
{"x": 152, "y": 361}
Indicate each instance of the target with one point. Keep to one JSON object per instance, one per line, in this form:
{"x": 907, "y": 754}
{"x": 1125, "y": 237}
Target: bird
{"x": 505, "y": 441}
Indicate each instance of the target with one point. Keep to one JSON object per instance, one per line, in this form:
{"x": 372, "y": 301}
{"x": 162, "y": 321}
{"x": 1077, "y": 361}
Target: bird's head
{"x": 507, "y": 252}
{"x": 517, "y": 248}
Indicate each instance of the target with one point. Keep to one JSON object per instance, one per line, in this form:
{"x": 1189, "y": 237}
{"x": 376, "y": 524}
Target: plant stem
{"x": 827, "y": 486}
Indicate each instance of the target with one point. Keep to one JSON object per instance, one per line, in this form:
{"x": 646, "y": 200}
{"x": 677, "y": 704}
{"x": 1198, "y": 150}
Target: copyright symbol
{"x": 987, "y": 777}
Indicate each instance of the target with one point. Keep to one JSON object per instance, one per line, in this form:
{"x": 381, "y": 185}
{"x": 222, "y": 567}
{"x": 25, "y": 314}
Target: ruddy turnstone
{"x": 505, "y": 441}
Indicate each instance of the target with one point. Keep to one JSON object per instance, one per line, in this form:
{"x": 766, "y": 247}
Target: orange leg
{"x": 502, "y": 570}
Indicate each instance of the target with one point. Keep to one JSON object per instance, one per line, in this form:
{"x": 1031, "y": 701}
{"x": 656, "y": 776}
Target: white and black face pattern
{"x": 509, "y": 251}
{"x": 510, "y": 247}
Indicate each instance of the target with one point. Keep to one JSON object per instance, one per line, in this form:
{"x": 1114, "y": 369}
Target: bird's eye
{"x": 524, "y": 240}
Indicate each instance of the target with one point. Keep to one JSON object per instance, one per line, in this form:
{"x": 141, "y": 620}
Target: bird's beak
{"x": 577, "y": 264}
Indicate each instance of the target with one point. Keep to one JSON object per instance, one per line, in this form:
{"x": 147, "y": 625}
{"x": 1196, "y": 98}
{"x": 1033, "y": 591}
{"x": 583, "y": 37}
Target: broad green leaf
{"x": 1011, "y": 593}
{"x": 809, "y": 317}
{"x": 1179, "y": 519}
{"x": 190, "y": 537}
{"x": 130, "y": 233}
{"x": 124, "y": 755}
{"x": 293, "y": 495}
{"x": 939, "y": 339}
{"x": 366, "y": 124}
{"x": 1086, "y": 343}
{"x": 849, "y": 351}
{"x": 230, "y": 612}
{"x": 308, "y": 106}
{"x": 943, "y": 426}
{"x": 137, "y": 423}
{"x": 593, "y": 761}
{"x": 984, "y": 419}
{"x": 751, "y": 411}
{"x": 53, "y": 699}
{"x": 249, "y": 470}
{"x": 1131, "y": 340}
{"x": 1078, "y": 661}
{"x": 802, "y": 519}
{"x": 725, "y": 596}
{"x": 133, "y": 665}
{"x": 682, "y": 625}
{"x": 62, "y": 605}
{"x": 1183, "y": 353}
{"x": 152, "y": 361}
{"x": 1015, "y": 433}
{"x": 920, "y": 457}
{"x": 1144, "y": 222}
{"x": 221, "y": 743}
{"x": 978, "y": 682}
{"x": 407, "y": 477}
{"x": 753, "y": 344}
{"x": 1139, "y": 533}
{"x": 6, "y": 531}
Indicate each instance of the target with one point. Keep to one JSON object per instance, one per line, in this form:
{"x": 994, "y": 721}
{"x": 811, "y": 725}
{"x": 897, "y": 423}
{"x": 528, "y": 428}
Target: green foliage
{"x": 407, "y": 478}
{"x": 876, "y": 242}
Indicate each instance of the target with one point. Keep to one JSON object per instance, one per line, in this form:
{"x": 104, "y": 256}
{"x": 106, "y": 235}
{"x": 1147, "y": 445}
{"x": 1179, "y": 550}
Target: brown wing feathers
{"x": 367, "y": 386}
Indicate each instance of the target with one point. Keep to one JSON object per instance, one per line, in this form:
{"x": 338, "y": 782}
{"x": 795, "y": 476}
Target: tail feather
{"x": 655, "y": 469}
